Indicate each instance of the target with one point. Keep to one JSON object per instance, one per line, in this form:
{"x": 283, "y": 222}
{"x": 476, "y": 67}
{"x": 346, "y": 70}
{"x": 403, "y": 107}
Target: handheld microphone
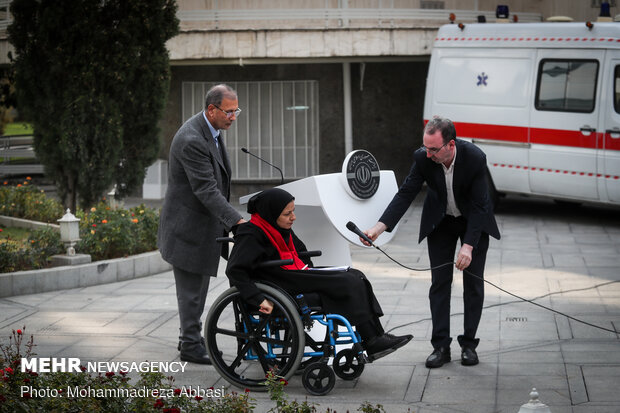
{"x": 261, "y": 159}
{"x": 353, "y": 228}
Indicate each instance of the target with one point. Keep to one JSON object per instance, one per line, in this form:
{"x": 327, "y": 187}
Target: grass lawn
{"x": 14, "y": 233}
{"x": 18, "y": 128}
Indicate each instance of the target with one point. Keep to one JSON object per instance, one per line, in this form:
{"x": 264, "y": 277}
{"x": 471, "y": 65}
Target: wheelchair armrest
{"x": 224, "y": 239}
{"x": 274, "y": 263}
{"x": 316, "y": 253}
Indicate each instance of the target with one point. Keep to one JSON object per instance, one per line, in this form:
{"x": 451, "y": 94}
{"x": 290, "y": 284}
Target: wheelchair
{"x": 245, "y": 344}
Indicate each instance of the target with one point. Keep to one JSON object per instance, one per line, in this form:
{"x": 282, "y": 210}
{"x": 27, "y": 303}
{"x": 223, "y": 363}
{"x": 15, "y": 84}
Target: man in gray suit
{"x": 196, "y": 211}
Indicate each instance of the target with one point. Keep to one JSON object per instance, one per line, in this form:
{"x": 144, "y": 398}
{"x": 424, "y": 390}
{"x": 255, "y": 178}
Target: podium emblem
{"x": 362, "y": 174}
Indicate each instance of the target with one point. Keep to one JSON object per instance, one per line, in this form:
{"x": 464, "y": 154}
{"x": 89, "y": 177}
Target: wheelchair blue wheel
{"x": 346, "y": 365}
{"x": 244, "y": 344}
{"x": 318, "y": 379}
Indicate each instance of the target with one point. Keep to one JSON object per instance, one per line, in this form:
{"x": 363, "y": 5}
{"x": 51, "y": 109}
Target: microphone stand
{"x": 261, "y": 159}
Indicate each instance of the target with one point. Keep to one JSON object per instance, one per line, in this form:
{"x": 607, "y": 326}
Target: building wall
{"x": 387, "y": 112}
{"x": 387, "y": 108}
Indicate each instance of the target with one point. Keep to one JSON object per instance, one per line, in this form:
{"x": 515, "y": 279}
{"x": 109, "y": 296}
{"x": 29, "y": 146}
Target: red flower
{"x": 9, "y": 370}
{"x": 94, "y": 225}
{"x": 158, "y": 404}
{"x": 82, "y": 368}
{"x": 19, "y": 332}
{"x": 247, "y": 390}
{"x": 123, "y": 372}
{"x": 284, "y": 382}
{"x": 26, "y": 380}
{"x": 1, "y": 230}
{"x": 27, "y": 396}
{"x": 105, "y": 221}
{"x": 109, "y": 374}
{"x": 172, "y": 410}
{"x": 177, "y": 391}
{"x": 199, "y": 398}
{"x": 34, "y": 374}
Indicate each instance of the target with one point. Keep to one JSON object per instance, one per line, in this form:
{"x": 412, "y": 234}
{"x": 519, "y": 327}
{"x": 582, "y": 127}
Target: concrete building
{"x": 318, "y": 78}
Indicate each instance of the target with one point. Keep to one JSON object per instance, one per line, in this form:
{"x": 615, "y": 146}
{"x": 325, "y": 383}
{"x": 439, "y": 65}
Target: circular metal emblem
{"x": 362, "y": 174}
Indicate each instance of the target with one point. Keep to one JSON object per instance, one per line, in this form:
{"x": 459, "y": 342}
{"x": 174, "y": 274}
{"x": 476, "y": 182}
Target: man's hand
{"x": 266, "y": 307}
{"x": 374, "y": 232}
{"x": 463, "y": 259}
{"x": 241, "y": 221}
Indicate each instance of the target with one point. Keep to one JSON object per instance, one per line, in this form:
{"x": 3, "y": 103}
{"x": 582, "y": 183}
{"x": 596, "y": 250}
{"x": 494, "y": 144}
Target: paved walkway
{"x": 569, "y": 257}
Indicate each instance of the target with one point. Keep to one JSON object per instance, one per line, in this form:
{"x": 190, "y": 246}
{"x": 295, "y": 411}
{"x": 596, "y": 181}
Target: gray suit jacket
{"x": 196, "y": 208}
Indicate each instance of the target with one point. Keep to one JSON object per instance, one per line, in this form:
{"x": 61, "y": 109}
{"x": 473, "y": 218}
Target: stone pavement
{"x": 566, "y": 257}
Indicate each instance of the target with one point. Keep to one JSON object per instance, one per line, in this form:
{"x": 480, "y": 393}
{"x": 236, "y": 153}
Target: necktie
{"x": 217, "y": 142}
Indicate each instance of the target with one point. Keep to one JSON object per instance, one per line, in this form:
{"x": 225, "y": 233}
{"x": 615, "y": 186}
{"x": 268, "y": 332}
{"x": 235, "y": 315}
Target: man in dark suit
{"x": 457, "y": 206}
{"x": 196, "y": 211}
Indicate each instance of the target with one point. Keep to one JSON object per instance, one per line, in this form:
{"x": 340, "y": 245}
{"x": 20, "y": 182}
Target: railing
{"x": 17, "y": 156}
{"x": 345, "y": 17}
{"x": 5, "y": 15}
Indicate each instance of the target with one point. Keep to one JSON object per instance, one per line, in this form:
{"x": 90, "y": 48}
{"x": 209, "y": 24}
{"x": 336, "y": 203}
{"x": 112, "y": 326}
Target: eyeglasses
{"x": 230, "y": 113}
{"x": 433, "y": 151}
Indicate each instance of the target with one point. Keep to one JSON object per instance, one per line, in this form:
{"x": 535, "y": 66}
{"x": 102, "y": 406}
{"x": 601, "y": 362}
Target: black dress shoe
{"x": 469, "y": 357}
{"x": 438, "y": 358}
{"x": 385, "y": 344}
{"x": 195, "y": 357}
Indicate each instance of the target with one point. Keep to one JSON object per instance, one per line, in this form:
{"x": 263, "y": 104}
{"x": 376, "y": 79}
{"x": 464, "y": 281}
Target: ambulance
{"x": 542, "y": 100}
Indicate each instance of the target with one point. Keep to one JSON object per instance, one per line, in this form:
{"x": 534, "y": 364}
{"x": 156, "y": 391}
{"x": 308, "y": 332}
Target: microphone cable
{"x": 501, "y": 289}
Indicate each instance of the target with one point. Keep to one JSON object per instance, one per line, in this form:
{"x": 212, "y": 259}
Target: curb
{"x": 85, "y": 275}
{"x": 25, "y": 223}
{"x": 76, "y": 276}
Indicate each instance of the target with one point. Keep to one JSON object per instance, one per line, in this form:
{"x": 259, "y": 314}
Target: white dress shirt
{"x": 451, "y": 208}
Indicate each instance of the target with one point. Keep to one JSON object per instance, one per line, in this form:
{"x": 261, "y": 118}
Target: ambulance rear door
{"x": 564, "y": 124}
{"x": 609, "y": 156}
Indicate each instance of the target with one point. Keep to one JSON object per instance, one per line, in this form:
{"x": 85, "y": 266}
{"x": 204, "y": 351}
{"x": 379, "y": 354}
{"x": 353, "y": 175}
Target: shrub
{"x": 105, "y": 232}
{"x": 41, "y": 244}
{"x": 112, "y": 233}
{"x": 28, "y": 202}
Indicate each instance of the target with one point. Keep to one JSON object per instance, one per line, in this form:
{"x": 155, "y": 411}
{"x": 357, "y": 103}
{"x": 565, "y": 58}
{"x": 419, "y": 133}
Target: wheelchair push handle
{"x": 274, "y": 263}
{"x": 315, "y": 253}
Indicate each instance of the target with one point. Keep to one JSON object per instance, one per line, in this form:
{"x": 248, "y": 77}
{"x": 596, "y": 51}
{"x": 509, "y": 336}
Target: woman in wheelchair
{"x": 268, "y": 236}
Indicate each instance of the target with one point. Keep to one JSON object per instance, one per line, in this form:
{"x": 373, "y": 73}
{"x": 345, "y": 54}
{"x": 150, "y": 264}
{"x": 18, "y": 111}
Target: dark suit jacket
{"x": 470, "y": 193}
{"x": 196, "y": 208}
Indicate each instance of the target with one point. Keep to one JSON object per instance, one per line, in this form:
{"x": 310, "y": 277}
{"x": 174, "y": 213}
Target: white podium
{"x": 323, "y": 206}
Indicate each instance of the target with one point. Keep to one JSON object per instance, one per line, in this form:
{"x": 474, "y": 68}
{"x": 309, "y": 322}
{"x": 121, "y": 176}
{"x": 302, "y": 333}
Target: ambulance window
{"x": 617, "y": 89}
{"x": 566, "y": 85}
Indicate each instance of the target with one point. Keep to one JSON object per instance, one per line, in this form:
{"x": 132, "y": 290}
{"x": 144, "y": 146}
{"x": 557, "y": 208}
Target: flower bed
{"x": 113, "y": 392}
{"x": 105, "y": 232}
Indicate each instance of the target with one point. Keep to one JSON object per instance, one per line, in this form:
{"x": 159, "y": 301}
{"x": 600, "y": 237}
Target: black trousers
{"x": 442, "y": 243}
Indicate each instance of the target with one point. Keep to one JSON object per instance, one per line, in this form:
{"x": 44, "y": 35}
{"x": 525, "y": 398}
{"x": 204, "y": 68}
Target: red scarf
{"x": 287, "y": 252}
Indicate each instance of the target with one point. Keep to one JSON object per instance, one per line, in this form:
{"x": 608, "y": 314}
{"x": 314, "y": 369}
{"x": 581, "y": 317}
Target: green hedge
{"x": 105, "y": 232}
